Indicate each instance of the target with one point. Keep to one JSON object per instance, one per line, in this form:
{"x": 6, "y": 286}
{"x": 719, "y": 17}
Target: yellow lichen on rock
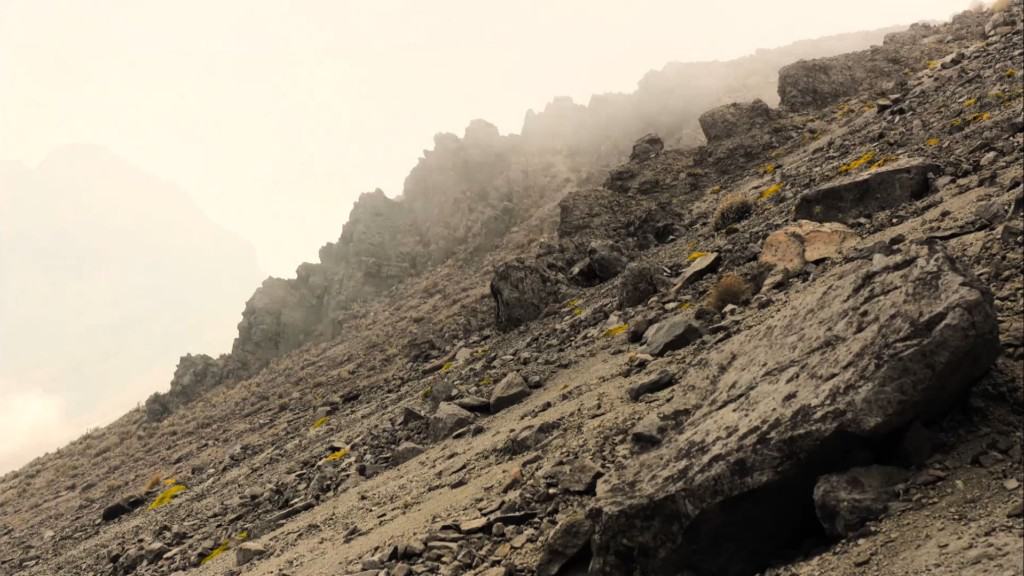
{"x": 771, "y": 191}
{"x": 695, "y": 255}
{"x": 319, "y": 422}
{"x": 216, "y": 552}
{"x": 932, "y": 141}
{"x": 166, "y": 496}
{"x": 855, "y": 164}
{"x": 336, "y": 455}
{"x": 615, "y": 330}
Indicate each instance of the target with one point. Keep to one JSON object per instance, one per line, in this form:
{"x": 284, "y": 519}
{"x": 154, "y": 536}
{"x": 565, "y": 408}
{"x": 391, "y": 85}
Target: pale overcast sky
{"x": 273, "y": 116}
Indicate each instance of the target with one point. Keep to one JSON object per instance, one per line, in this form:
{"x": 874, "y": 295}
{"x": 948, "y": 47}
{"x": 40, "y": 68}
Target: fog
{"x": 158, "y": 159}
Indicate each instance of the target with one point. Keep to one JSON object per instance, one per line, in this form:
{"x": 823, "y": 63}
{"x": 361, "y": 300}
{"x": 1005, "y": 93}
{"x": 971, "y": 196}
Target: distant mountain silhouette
{"x": 106, "y": 273}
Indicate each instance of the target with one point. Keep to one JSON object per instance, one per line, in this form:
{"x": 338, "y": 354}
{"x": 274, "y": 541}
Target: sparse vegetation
{"x": 733, "y": 208}
{"x": 731, "y": 289}
{"x": 855, "y": 164}
{"x": 770, "y": 191}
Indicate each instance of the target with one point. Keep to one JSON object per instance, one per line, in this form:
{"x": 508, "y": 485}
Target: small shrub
{"x": 731, "y": 289}
{"x": 733, "y": 208}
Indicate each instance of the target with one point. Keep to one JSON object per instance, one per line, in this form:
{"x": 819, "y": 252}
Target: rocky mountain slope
{"x": 469, "y": 195}
{"x": 795, "y": 349}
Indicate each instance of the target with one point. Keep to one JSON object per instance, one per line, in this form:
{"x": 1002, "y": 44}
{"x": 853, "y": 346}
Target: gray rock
{"x": 671, "y": 334}
{"x": 510, "y": 391}
{"x": 248, "y": 551}
{"x": 406, "y": 451}
{"x": 473, "y": 403}
{"x": 565, "y": 542}
{"x": 869, "y": 347}
{"x": 521, "y": 292}
{"x": 646, "y": 147}
{"x": 851, "y": 198}
{"x": 579, "y": 477}
{"x": 663, "y": 379}
{"x": 409, "y": 415}
{"x": 697, "y": 269}
{"x": 604, "y": 261}
{"x": 448, "y": 419}
{"x": 845, "y": 502}
{"x": 123, "y": 506}
{"x": 735, "y": 119}
{"x": 637, "y": 284}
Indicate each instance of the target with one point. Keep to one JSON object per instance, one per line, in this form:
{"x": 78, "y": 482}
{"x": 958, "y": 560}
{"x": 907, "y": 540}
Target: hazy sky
{"x": 273, "y": 116}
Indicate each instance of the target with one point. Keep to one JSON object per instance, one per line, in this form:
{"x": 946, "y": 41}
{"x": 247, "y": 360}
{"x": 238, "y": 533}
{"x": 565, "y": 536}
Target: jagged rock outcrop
{"x": 814, "y": 84}
{"x": 876, "y": 344}
{"x": 466, "y": 194}
{"x": 195, "y": 375}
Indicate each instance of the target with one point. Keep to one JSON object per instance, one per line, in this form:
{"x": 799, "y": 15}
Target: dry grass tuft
{"x": 731, "y": 289}
{"x": 732, "y": 209}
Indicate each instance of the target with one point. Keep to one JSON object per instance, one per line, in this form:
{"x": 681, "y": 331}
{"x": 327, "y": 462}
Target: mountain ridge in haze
{"x": 107, "y": 269}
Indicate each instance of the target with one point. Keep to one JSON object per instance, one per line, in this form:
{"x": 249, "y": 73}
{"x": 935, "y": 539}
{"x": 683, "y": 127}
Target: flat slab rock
{"x": 858, "y": 354}
{"x": 850, "y": 198}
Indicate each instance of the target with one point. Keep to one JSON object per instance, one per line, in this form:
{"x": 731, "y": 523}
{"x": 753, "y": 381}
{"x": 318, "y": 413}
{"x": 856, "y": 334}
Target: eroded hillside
{"x": 795, "y": 349}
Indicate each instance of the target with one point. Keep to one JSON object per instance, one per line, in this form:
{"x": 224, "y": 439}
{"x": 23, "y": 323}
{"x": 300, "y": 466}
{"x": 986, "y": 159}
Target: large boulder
{"x": 736, "y": 119}
{"x": 861, "y": 196}
{"x": 854, "y": 357}
{"x": 522, "y": 291}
